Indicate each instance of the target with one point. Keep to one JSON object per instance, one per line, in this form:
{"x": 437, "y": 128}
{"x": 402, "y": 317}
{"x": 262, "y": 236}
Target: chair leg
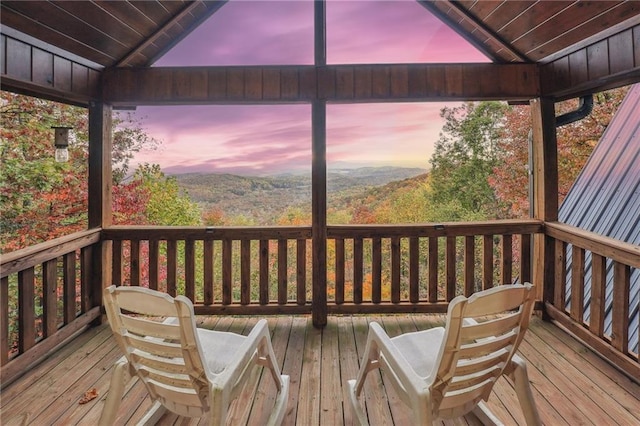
{"x": 486, "y": 417}
{"x": 280, "y": 405}
{"x": 523, "y": 391}
{"x": 370, "y": 362}
{"x": 119, "y": 379}
{"x": 153, "y": 415}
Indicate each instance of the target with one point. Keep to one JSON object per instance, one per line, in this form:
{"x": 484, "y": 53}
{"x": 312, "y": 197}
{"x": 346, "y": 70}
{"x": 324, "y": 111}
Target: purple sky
{"x": 271, "y": 138}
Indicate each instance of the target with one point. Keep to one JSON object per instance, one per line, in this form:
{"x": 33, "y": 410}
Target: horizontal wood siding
{"x": 612, "y": 62}
{"x": 28, "y": 69}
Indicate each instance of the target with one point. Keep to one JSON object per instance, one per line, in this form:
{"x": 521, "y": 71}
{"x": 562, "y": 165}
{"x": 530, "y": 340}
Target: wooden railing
{"x": 46, "y": 297}
{"x": 52, "y": 291}
{"x": 592, "y": 293}
{"x": 376, "y": 268}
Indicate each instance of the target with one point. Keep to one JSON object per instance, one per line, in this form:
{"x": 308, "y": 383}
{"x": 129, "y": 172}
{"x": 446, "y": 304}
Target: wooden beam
{"x": 545, "y": 192}
{"x": 332, "y": 83}
{"x": 319, "y": 177}
{"x": 100, "y": 196}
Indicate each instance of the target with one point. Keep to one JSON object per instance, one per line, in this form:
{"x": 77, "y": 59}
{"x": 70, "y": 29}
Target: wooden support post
{"x": 545, "y": 193}
{"x": 100, "y": 183}
{"x": 319, "y": 177}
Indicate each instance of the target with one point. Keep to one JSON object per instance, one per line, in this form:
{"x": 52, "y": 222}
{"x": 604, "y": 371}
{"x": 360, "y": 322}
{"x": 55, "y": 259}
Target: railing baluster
{"x": 487, "y": 262}
{"x": 433, "y": 269}
{"x": 190, "y": 269}
{"x": 4, "y": 320}
{"x": 69, "y": 283}
{"x": 154, "y": 264}
{"x": 50, "y": 296}
{"x": 450, "y": 261}
{"x": 86, "y": 274}
{"x": 414, "y": 270}
{"x": 376, "y": 270}
{"x": 301, "y": 271}
{"x": 357, "y": 270}
{"x": 620, "y": 309}
{"x": 26, "y": 310}
{"x": 134, "y": 263}
{"x": 598, "y": 296}
{"x": 117, "y": 263}
{"x": 264, "y": 272}
{"x": 525, "y": 258}
{"x": 245, "y": 272}
{"x": 559, "y": 296}
{"x": 506, "y": 261}
{"x": 283, "y": 279}
{"x": 395, "y": 269}
{"x": 469, "y": 265}
{"x": 577, "y": 284}
{"x": 172, "y": 267}
{"x": 340, "y": 265}
{"x": 227, "y": 249}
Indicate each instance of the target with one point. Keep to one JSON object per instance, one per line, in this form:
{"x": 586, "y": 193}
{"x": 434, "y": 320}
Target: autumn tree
{"x": 465, "y": 156}
{"x": 576, "y": 141}
{"x": 41, "y": 199}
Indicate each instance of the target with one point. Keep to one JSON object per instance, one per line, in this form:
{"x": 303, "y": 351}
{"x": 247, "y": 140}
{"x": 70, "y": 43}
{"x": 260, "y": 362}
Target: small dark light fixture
{"x": 61, "y": 143}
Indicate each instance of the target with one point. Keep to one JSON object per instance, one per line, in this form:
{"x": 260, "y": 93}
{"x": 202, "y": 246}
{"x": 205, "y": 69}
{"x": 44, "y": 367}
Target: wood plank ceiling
{"x": 136, "y": 33}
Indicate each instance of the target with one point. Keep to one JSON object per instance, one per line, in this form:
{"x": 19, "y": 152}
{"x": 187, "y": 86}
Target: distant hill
{"x": 263, "y": 198}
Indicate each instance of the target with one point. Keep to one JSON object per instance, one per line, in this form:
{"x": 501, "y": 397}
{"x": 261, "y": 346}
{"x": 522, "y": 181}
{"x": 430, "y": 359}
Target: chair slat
{"x": 490, "y": 328}
{"x": 468, "y": 381}
{"x": 470, "y": 366}
{"x": 487, "y": 346}
{"x": 155, "y": 347}
{"x": 496, "y": 304}
{"x": 171, "y": 365}
{"x": 145, "y": 327}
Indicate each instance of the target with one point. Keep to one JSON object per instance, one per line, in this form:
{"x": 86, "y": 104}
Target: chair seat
{"x": 420, "y": 349}
{"x": 220, "y": 348}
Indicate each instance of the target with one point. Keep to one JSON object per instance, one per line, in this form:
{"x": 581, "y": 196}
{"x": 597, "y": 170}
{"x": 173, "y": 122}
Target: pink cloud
{"x": 261, "y": 139}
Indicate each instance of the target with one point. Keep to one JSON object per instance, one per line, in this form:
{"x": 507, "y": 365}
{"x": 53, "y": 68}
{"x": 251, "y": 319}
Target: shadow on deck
{"x": 571, "y": 384}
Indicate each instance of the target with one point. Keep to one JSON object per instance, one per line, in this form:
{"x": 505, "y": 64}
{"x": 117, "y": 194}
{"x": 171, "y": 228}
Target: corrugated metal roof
{"x": 605, "y": 199}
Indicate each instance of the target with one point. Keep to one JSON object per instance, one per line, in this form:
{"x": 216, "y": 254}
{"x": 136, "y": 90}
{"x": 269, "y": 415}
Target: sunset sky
{"x": 273, "y": 138}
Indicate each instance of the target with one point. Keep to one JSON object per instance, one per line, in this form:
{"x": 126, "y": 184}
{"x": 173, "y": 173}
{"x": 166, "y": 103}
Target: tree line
{"x": 478, "y": 172}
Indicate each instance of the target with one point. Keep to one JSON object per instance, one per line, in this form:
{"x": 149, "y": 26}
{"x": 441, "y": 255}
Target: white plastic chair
{"x": 190, "y": 371}
{"x": 444, "y": 373}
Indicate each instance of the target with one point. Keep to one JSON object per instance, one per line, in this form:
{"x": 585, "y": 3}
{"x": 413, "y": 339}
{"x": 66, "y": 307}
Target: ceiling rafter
{"x": 456, "y": 14}
{"x": 186, "y": 10}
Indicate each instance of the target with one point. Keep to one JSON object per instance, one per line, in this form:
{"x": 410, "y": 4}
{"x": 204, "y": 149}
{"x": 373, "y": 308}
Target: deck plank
{"x": 571, "y": 384}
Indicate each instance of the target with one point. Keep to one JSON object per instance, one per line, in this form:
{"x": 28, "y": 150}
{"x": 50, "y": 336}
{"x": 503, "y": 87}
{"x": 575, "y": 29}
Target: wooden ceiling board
{"x": 609, "y": 18}
{"x": 13, "y": 19}
{"x": 561, "y": 24}
{"x": 506, "y": 12}
{"x": 104, "y": 21}
{"x": 482, "y": 9}
{"x": 129, "y": 15}
{"x": 154, "y": 11}
{"x": 48, "y": 15}
{"x": 536, "y": 15}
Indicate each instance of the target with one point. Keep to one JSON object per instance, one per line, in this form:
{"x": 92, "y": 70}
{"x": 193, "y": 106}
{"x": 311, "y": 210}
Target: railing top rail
{"x": 441, "y": 229}
{"x": 617, "y": 250}
{"x": 205, "y": 232}
{"x": 31, "y": 256}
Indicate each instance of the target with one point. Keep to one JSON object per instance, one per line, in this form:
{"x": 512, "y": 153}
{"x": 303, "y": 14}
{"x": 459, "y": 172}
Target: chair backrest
{"x": 157, "y": 334}
{"x": 482, "y": 334}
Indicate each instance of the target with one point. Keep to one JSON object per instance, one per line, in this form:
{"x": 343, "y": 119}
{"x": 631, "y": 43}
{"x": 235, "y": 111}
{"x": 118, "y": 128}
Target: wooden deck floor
{"x": 572, "y": 385}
